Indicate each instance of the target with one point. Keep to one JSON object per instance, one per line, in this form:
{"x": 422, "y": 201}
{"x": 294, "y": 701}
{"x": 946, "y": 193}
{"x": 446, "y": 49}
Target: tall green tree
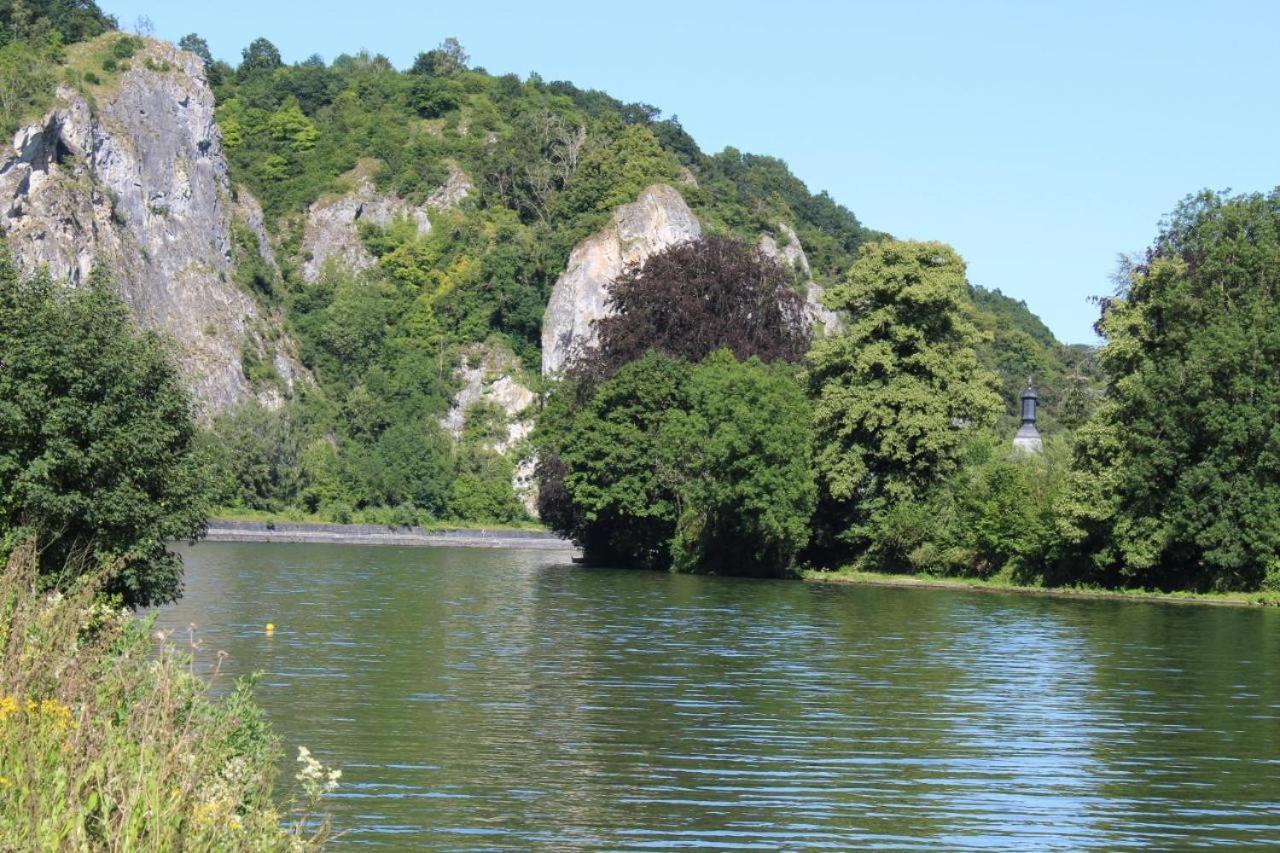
{"x": 97, "y": 454}
{"x": 896, "y": 394}
{"x": 702, "y": 468}
{"x": 1178, "y": 473}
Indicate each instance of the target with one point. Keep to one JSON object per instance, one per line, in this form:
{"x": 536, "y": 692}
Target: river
{"x": 479, "y": 698}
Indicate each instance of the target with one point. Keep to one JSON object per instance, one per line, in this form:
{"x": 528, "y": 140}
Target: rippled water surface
{"x": 499, "y": 699}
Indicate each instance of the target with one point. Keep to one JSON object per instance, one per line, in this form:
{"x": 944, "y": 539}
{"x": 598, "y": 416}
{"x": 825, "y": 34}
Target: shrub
{"x": 109, "y": 740}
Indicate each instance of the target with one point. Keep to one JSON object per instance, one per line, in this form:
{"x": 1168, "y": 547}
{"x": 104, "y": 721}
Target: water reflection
{"x": 491, "y": 699}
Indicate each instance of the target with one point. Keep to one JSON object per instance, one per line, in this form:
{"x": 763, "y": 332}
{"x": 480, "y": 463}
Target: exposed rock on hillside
{"x": 490, "y": 377}
{"x": 791, "y": 255}
{"x": 139, "y": 183}
{"x": 333, "y": 224}
{"x": 658, "y": 219}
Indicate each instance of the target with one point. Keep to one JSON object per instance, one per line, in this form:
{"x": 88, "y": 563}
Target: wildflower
{"x": 4, "y": 782}
{"x": 315, "y": 779}
{"x": 8, "y": 707}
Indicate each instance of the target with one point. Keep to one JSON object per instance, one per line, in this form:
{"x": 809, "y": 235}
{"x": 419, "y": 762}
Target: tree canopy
{"x": 1178, "y": 474}
{"x": 897, "y": 392}
{"x": 695, "y": 298}
{"x": 97, "y": 440}
{"x": 703, "y": 467}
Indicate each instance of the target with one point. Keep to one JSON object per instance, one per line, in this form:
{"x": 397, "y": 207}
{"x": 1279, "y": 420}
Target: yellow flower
{"x": 57, "y": 714}
{"x": 8, "y": 707}
{"x": 4, "y": 782}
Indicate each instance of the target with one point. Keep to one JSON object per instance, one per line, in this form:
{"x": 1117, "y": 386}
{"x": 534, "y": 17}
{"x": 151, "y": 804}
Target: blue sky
{"x": 1041, "y": 140}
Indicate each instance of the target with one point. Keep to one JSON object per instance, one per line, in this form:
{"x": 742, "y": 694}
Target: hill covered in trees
{"x": 414, "y": 223}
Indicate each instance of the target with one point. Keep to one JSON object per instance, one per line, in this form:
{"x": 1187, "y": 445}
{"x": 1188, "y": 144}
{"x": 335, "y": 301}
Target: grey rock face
{"x": 658, "y": 219}
{"x": 333, "y": 225}
{"x": 791, "y": 254}
{"x": 491, "y": 375}
{"x": 141, "y": 186}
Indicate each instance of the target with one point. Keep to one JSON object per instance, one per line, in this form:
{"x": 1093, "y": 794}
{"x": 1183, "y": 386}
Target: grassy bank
{"x": 384, "y": 517}
{"x": 1004, "y": 585}
{"x": 109, "y": 740}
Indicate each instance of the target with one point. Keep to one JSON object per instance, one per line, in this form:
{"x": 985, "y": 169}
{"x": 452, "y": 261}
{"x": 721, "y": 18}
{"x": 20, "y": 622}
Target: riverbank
{"x": 236, "y": 530}
{"x": 1000, "y": 586}
{"x": 110, "y": 740}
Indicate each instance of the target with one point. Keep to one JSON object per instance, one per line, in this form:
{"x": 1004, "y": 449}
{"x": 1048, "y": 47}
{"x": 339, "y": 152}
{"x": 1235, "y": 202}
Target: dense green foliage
{"x": 548, "y": 163}
{"x": 1179, "y": 472}
{"x": 700, "y": 467}
{"x": 995, "y": 514}
{"x": 97, "y": 442}
{"x": 898, "y": 392}
{"x": 66, "y": 21}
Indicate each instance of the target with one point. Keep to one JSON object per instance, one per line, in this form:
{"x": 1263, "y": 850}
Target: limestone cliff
{"x": 491, "y": 376}
{"x": 790, "y": 253}
{"x": 658, "y": 219}
{"x": 137, "y": 181}
{"x": 333, "y": 224}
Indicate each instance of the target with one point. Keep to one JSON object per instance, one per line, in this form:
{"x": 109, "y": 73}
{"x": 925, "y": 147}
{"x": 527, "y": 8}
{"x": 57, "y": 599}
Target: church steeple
{"x": 1028, "y": 438}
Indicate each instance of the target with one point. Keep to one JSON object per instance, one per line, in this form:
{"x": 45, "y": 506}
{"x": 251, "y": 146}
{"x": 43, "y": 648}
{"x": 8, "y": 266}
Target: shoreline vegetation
{"x": 274, "y": 529}
{"x": 110, "y": 738}
{"x": 267, "y": 528}
{"x": 857, "y": 577}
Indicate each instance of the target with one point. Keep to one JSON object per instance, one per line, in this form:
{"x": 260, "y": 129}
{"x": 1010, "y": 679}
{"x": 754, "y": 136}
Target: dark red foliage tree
{"x": 693, "y": 299}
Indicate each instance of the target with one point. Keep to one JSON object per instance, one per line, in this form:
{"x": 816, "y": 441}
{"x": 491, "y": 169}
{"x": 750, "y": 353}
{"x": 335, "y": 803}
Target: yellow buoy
{"x": 271, "y": 628}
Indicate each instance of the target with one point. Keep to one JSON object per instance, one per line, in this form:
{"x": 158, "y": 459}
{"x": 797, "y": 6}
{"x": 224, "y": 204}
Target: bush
{"x": 996, "y": 514}
{"x": 108, "y": 739}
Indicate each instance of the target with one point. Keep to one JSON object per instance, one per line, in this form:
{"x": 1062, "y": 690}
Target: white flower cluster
{"x": 314, "y": 777}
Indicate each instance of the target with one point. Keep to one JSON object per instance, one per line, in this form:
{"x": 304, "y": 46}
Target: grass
{"x": 1001, "y": 584}
{"x": 109, "y": 740}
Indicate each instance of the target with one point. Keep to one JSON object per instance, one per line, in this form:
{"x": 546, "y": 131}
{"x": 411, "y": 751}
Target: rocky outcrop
{"x": 490, "y": 376}
{"x": 139, "y": 184}
{"x": 658, "y": 219}
{"x": 333, "y": 224}
{"x": 790, "y": 253}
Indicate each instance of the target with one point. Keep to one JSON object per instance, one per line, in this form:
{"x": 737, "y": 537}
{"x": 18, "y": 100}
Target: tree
{"x": 256, "y": 456}
{"x": 741, "y": 457}
{"x": 1178, "y": 472}
{"x": 695, "y": 298}
{"x": 193, "y": 43}
{"x": 897, "y": 393}
{"x": 701, "y": 468}
{"x": 445, "y": 61}
{"x": 97, "y": 454}
{"x": 260, "y": 57}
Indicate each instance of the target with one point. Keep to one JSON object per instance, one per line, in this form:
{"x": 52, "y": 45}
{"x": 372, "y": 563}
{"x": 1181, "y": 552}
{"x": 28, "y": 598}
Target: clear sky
{"x": 1040, "y": 139}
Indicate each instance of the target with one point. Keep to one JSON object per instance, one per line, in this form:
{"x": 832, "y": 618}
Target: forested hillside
{"x": 546, "y": 164}
{"x": 417, "y": 220}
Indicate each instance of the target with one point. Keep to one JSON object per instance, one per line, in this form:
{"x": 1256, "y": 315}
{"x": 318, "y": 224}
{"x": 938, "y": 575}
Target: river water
{"x": 502, "y": 699}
